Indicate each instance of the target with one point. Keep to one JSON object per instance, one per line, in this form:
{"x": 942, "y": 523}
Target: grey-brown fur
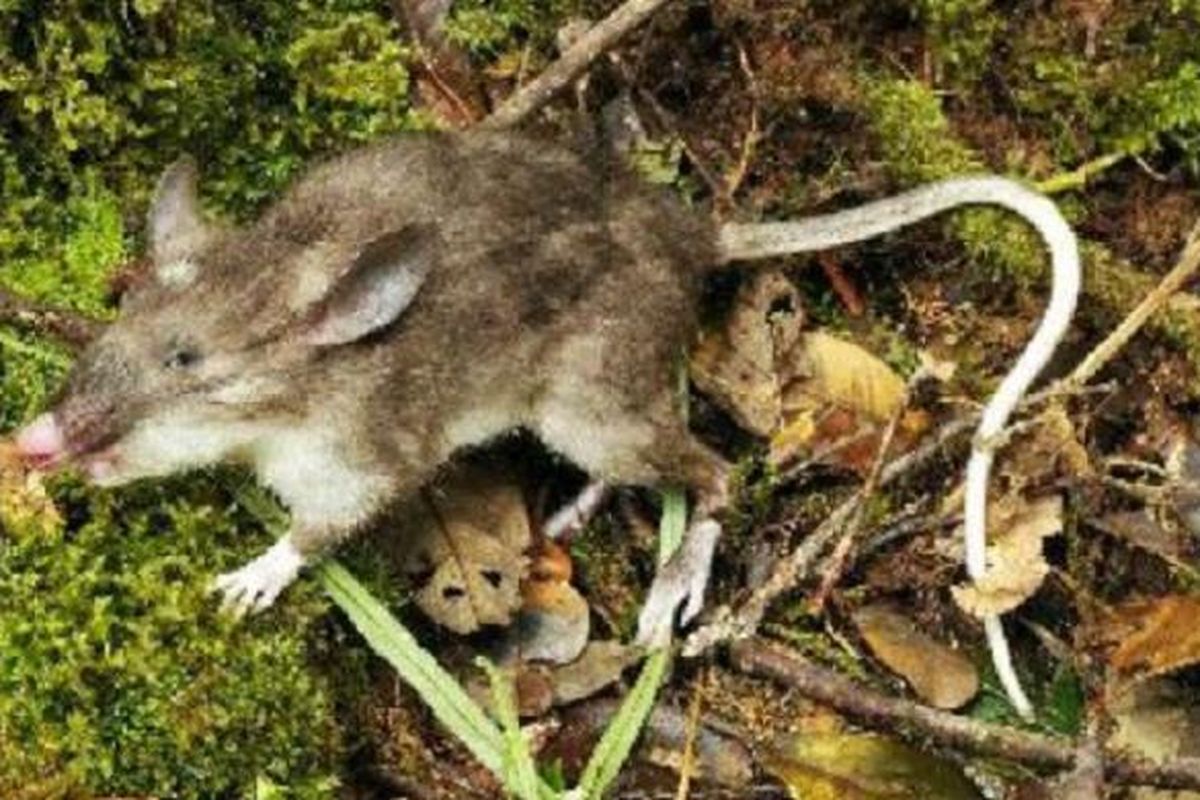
{"x": 560, "y": 298}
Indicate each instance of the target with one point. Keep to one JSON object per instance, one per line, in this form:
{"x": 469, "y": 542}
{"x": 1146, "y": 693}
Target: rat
{"x": 416, "y": 297}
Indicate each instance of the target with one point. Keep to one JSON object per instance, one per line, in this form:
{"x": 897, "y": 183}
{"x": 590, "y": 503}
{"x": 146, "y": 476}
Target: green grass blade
{"x": 520, "y": 771}
{"x": 420, "y": 670}
{"x": 622, "y": 733}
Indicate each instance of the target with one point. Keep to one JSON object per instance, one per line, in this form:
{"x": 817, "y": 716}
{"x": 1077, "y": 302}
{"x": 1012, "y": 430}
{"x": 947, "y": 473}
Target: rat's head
{"x": 217, "y": 343}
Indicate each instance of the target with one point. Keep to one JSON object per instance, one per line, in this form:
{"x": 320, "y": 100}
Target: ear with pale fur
{"x": 381, "y": 282}
{"x": 176, "y": 229}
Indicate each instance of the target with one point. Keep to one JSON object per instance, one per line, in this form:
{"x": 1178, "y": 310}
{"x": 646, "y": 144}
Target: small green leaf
{"x": 622, "y": 732}
{"x": 420, "y": 670}
{"x": 520, "y": 771}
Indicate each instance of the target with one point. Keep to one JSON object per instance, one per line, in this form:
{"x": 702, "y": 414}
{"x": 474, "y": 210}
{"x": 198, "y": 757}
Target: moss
{"x": 491, "y": 28}
{"x": 118, "y": 675}
{"x": 919, "y": 146}
{"x": 961, "y": 34}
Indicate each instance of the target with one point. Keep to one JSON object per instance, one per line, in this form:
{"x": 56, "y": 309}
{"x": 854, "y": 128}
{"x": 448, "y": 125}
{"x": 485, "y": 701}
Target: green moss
{"x": 119, "y": 677}
{"x": 490, "y": 28}
{"x": 919, "y": 146}
{"x": 116, "y": 675}
{"x": 961, "y": 34}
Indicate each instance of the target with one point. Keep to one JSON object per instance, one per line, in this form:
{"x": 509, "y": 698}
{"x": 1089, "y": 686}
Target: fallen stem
{"x": 762, "y": 658}
{"x": 599, "y": 39}
{"x": 1172, "y": 282}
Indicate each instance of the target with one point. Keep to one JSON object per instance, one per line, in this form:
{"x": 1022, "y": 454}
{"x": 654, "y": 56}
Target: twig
{"x": 727, "y": 625}
{"x": 74, "y": 329}
{"x": 590, "y": 46}
{"x": 842, "y": 286}
{"x": 766, "y": 659}
{"x": 687, "y": 763}
{"x": 837, "y": 562}
{"x": 733, "y": 179}
{"x": 1078, "y": 177}
{"x": 1172, "y": 282}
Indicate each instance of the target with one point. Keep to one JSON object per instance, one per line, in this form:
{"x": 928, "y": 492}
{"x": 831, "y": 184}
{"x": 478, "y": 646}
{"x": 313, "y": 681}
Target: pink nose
{"x": 41, "y": 440}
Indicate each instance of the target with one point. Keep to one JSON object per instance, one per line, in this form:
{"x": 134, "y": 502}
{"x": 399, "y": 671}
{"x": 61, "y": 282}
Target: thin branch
{"x": 727, "y": 624}
{"x": 1172, "y": 282}
{"x": 603, "y": 36}
{"x": 838, "y": 561}
{"x": 766, "y": 659}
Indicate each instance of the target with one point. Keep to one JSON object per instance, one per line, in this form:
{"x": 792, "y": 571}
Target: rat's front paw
{"x": 255, "y": 586}
{"x": 681, "y": 581}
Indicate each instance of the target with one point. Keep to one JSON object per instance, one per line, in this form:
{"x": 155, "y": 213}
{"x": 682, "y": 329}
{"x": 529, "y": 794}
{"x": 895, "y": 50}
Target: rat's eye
{"x": 181, "y": 358}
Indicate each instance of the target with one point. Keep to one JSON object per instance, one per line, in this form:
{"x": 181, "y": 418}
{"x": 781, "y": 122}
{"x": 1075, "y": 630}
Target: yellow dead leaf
{"x": 835, "y": 371}
{"x": 1154, "y": 637}
{"x": 941, "y": 676}
{"x": 853, "y": 766}
{"x": 1016, "y": 567}
{"x": 25, "y": 508}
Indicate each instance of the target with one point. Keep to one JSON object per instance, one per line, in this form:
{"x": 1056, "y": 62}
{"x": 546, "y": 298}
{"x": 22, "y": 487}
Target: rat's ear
{"x": 176, "y": 230}
{"x": 374, "y": 291}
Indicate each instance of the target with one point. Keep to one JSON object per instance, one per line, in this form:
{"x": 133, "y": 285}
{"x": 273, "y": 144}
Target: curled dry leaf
{"x": 854, "y": 766}
{"x": 806, "y": 392}
{"x": 465, "y": 538}
{"x": 1152, "y": 637}
{"x": 739, "y": 365}
{"x": 1016, "y": 566}
{"x": 940, "y": 675}
{"x": 1050, "y": 449}
{"x": 25, "y": 508}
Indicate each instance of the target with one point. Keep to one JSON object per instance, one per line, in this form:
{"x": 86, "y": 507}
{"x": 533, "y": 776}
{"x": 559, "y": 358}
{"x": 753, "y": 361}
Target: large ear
{"x": 374, "y": 291}
{"x": 176, "y": 229}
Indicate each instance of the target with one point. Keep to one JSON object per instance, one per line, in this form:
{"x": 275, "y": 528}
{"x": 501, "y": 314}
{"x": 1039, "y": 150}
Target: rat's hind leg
{"x": 649, "y": 445}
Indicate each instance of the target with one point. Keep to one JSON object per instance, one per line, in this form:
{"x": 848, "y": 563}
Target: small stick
{"x": 600, "y": 38}
{"x": 1172, "y": 282}
{"x": 766, "y": 659}
{"x": 840, "y": 558}
{"x": 727, "y": 624}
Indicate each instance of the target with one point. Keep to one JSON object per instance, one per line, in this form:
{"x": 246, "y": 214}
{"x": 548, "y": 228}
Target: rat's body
{"x": 405, "y": 301}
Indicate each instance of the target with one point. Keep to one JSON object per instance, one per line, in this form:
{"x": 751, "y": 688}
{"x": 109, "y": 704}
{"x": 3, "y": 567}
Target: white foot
{"x": 255, "y": 586}
{"x": 681, "y": 581}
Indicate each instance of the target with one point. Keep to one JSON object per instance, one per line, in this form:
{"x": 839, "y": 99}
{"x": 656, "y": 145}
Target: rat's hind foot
{"x": 681, "y": 581}
{"x": 255, "y": 586}
{"x": 575, "y": 515}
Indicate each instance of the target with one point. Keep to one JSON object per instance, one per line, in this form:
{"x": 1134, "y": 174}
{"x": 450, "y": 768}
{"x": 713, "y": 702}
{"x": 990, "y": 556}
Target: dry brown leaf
{"x": 827, "y": 370}
{"x": 1016, "y": 565}
{"x": 856, "y": 766}
{"x": 599, "y": 666}
{"x": 940, "y": 675}
{"x": 468, "y": 536}
{"x": 25, "y": 508}
{"x": 1154, "y": 637}
{"x": 1048, "y": 450}
{"x": 1160, "y": 721}
{"x": 811, "y": 393}
{"x": 737, "y": 366}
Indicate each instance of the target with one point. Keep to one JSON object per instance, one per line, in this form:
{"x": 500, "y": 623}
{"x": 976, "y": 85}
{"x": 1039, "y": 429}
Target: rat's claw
{"x": 682, "y": 580}
{"x": 255, "y": 586}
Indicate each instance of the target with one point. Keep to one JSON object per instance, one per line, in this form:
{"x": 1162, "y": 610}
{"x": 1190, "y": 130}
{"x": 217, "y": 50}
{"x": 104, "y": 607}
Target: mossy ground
{"x": 116, "y": 675}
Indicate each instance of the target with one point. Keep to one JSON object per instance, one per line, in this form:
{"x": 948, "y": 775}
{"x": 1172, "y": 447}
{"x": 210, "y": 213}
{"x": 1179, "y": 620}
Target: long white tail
{"x": 740, "y": 242}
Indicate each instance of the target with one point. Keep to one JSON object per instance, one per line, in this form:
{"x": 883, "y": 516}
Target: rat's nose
{"x": 42, "y": 440}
